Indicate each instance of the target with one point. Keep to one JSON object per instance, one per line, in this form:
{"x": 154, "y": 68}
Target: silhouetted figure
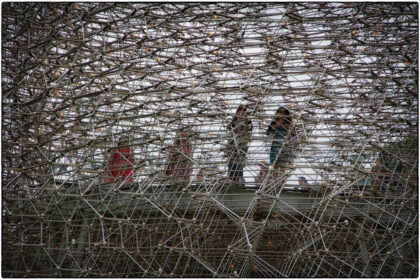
{"x": 240, "y": 128}
{"x": 303, "y": 183}
{"x": 387, "y": 174}
{"x": 120, "y": 166}
{"x": 180, "y": 165}
{"x": 264, "y": 168}
{"x": 279, "y": 128}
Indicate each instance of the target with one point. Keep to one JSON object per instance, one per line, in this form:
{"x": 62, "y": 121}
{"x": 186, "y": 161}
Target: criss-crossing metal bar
{"x": 141, "y": 139}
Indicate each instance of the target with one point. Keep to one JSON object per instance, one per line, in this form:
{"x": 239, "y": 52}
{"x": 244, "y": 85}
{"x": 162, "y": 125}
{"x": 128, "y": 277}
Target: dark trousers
{"x": 236, "y": 160}
{"x": 236, "y": 171}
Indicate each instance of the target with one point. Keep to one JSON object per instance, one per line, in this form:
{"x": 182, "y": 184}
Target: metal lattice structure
{"x": 78, "y": 76}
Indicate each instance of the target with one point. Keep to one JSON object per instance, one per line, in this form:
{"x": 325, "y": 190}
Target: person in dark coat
{"x": 240, "y": 129}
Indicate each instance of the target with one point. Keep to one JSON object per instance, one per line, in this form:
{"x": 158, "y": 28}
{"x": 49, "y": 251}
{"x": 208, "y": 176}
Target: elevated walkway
{"x": 230, "y": 199}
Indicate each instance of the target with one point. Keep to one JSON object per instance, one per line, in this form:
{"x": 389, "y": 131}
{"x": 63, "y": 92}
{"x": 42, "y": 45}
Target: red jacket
{"x": 120, "y": 165}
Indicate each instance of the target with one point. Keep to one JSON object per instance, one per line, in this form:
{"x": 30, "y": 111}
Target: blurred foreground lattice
{"x": 78, "y": 76}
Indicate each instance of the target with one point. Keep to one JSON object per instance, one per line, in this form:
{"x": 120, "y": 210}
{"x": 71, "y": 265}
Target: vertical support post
{"x": 81, "y": 244}
{"x": 363, "y": 248}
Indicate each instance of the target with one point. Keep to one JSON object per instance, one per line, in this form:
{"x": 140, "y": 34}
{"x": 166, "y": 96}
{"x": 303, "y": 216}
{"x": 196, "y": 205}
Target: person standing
{"x": 120, "y": 166}
{"x": 279, "y": 128}
{"x": 263, "y": 173}
{"x": 240, "y": 129}
{"x": 180, "y": 165}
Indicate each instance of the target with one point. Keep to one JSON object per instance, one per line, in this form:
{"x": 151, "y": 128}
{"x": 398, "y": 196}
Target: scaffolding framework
{"x": 79, "y": 77}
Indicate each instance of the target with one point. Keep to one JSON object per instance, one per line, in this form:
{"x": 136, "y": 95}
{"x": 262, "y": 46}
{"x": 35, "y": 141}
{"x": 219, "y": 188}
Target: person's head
{"x": 302, "y": 180}
{"x": 241, "y": 110}
{"x": 181, "y": 138}
{"x": 283, "y": 113}
{"x": 123, "y": 140}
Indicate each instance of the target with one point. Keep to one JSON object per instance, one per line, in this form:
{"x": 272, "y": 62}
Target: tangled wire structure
{"x": 80, "y": 80}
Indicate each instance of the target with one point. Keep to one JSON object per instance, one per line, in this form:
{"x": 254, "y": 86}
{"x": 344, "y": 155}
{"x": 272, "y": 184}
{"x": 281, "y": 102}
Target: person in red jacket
{"x": 121, "y": 163}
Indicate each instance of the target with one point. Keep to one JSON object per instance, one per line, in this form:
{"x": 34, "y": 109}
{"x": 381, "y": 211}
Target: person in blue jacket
{"x": 280, "y": 129}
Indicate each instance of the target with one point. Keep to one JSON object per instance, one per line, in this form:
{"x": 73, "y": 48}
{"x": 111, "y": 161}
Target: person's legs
{"x": 234, "y": 171}
{"x": 235, "y": 165}
{"x": 125, "y": 184}
{"x": 240, "y": 173}
{"x": 242, "y": 159}
{"x": 276, "y": 170}
{"x": 230, "y": 170}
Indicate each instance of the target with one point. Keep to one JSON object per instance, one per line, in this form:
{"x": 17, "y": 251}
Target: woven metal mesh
{"x": 76, "y": 77}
